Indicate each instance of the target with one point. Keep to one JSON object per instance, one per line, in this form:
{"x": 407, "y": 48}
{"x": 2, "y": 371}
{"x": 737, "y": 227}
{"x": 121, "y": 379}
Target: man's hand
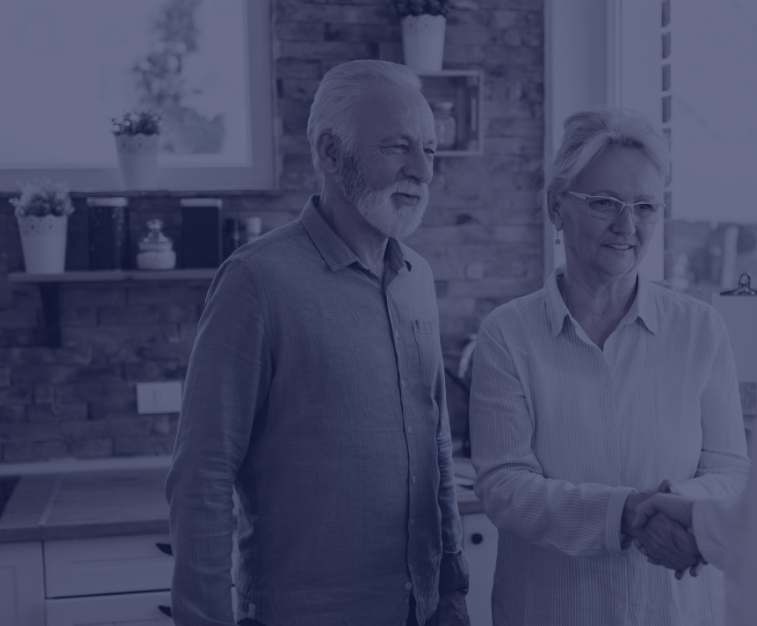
{"x": 452, "y": 610}
{"x": 673, "y": 508}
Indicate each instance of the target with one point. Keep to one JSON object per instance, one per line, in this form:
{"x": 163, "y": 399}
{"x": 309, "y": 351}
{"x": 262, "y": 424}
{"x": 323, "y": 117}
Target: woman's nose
{"x": 624, "y": 222}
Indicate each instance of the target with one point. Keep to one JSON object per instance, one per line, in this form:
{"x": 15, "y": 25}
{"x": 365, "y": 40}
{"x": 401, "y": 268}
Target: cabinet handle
{"x": 165, "y": 548}
{"x": 166, "y": 610}
{"x": 476, "y": 538}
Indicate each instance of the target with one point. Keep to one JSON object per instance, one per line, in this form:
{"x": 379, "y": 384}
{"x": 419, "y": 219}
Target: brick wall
{"x": 480, "y": 236}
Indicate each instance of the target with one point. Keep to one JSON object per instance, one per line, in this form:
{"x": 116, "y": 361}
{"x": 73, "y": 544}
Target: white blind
{"x": 713, "y": 88}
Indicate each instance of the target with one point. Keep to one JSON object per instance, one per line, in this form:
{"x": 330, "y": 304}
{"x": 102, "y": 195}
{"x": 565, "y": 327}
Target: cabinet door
{"x": 480, "y": 545}
{"x": 128, "y": 609}
{"x": 22, "y": 584}
{"x": 81, "y": 567}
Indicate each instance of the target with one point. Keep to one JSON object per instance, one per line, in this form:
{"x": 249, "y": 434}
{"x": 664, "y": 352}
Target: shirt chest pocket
{"x": 426, "y": 333}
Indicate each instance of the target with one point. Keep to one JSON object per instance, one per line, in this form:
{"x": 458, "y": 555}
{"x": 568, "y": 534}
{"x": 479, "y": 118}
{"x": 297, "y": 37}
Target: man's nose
{"x": 419, "y": 166}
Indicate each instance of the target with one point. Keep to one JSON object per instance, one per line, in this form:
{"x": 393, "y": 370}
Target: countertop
{"x": 75, "y": 505}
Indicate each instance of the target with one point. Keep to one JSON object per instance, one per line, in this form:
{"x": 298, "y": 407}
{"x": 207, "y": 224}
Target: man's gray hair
{"x": 336, "y": 99}
{"x": 588, "y": 134}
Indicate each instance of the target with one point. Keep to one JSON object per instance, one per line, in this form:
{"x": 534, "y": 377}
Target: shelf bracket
{"x": 50, "y": 313}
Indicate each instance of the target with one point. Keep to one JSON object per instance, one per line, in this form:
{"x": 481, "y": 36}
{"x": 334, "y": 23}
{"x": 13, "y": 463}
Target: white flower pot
{"x": 423, "y": 42}
{"x": 138, "y": 160}
{"x": 43, "y": 240}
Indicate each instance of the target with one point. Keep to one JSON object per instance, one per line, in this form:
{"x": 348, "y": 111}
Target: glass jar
{"x": 445, "y": 125}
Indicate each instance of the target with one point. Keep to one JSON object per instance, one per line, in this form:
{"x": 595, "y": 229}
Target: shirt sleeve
{"x": 714, "y": 522}
{"x": 227, "y": 380}
{"x": 576, "y": 519}
{"x": 454, "y": 569}
{"x": 723, "y": 463}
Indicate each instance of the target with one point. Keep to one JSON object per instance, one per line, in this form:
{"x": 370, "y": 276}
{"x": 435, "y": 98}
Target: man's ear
{"x": 329, "y": 149}
{"x": 554, "y": 209}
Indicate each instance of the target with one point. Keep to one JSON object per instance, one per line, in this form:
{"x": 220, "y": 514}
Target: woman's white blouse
{"x": 562, "y": 432}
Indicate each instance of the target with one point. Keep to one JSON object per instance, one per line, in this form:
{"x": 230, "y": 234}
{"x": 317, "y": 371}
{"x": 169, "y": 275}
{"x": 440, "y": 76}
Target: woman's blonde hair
{"x": 588, "y": 134}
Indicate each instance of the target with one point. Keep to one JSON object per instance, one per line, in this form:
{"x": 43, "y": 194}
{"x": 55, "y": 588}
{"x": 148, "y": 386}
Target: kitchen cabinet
{"x": 480, "y": 545}
{"x": 22, "y": 584}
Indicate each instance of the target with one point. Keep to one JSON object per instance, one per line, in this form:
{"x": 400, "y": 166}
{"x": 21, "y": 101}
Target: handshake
{"x": 660, "y": 526}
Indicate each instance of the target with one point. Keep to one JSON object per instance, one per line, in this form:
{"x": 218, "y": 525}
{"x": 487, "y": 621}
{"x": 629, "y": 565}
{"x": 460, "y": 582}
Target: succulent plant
{"x": 137, "y": 122}
{"x": 42, "y": 197}
{"x": 422, "y": 7}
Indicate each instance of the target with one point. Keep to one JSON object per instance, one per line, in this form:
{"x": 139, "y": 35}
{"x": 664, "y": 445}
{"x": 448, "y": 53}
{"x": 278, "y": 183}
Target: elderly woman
{"x": 591, "y": 392}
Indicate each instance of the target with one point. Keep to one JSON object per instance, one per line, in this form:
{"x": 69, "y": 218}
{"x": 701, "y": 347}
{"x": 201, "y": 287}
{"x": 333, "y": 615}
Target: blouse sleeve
{"x": 577, "y": 519}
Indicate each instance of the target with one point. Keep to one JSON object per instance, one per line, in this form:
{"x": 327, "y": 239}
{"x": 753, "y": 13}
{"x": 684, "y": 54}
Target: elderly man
{"x": 316, "y": 389}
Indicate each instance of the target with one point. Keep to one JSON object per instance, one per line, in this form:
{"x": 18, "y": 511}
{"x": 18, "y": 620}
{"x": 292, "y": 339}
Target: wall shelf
{"x": 48, "y": 288}
{"x": 465, "y": 90}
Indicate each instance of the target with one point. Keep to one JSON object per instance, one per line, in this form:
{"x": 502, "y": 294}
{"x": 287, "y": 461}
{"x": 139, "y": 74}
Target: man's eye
{"x": 644, "y": 206}
{"x": 430, "y": 152}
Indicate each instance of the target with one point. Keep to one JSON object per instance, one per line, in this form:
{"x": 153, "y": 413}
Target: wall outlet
{"x": 162, "y": 397}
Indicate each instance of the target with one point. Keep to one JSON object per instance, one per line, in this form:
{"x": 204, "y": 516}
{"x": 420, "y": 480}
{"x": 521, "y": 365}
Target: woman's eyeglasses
{"x": 608, "y": 208}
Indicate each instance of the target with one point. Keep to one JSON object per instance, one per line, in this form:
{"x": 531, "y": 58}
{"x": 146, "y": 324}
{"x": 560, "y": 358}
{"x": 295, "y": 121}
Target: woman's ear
{"x": 554, "y": 209}
{"x": 328, "y": 148}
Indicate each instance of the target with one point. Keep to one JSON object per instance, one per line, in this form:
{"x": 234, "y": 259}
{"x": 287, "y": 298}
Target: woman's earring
{"x": 557, "y": 237}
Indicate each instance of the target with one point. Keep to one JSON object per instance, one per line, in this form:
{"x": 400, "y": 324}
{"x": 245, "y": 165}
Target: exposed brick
{"x": 72, "y": 355}
{"x": 298, "y": 68}
{"x": 297, "y": 89}
{"x": 29, "y": 431}
{"x": 63, "y": 374}
{"x": 358, "y": 33}
{"x": 78, "y": 317}
{"x": 91, "y": 295}
{"x": 336, "y": 13}
{"x": 43, "y": 451}
{"x": 82, "y": 392}
{"x": 12, "y": 414}
{"x": 299, "y": 31}
{"x": 121, "y": 427}
{"x": 17, "y": 319}
{"x": 329, "y": 49}
{"x": 15, "y": 395}
{"x": 154, "y": 370}
{"x": 90, "y": 448}
{"x": 149, "y": 445}
{"x": 503, "y": 19}
{"x": 113, "y": 408}
{"x": 56, "y": 412}
{"x": 168, "y": 293}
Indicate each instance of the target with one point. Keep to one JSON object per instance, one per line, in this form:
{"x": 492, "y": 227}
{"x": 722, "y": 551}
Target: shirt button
{"x": 412, "y": 522}
{"x": 412, "y": 480}
{"x": 409, "y": 429}
{"x": 408, "y": 586}
{"x": 396, "y": 334}
{"x": 410, "y": 567}
{"x": 403, "y": 384}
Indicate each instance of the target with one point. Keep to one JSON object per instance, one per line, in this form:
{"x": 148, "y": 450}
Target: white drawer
{"x": 80, "y": 567}
{"x": 134, "y": 609}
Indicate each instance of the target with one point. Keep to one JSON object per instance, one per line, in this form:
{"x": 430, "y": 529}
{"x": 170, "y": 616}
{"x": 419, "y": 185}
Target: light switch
{"x": 160, "y": 397}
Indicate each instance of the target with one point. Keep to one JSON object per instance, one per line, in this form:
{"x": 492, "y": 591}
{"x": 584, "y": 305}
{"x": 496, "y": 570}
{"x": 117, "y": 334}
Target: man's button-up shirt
{"x": 318, "y": 392}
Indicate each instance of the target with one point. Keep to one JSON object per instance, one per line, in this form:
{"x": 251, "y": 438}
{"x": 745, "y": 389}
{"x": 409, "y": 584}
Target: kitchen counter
{"x": 89, "y": 504}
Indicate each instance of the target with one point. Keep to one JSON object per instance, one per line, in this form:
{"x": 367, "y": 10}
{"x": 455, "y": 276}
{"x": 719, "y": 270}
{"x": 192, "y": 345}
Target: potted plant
{"x": 42, "y": 214}
{"x": 137, "y": 135}
{"x": 423, "y": 24}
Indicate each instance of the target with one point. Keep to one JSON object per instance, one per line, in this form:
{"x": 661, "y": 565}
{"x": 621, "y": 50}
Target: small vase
{"x": 423, "y": 42}
{"x": 138, "y": 160}
{"x": 43, "y": 241}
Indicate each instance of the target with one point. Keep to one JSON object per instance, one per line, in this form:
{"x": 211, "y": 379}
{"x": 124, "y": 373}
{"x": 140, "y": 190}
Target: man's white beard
{"x": 376, "y": 205}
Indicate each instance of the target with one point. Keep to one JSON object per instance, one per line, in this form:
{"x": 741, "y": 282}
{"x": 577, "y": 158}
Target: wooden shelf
{"x": 89, "y": 276}
{"x": 465, "y": 90}
{"x": 48, "y": 288}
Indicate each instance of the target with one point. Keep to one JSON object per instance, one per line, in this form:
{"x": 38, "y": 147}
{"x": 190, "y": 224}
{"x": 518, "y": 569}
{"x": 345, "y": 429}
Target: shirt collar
{"x": 332, "y": 248}
{"x": 642, "y": 307}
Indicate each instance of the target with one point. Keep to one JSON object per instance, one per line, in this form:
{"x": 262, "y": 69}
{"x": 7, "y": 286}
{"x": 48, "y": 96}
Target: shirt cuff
{"x": 453, "y": 572}
{"x": 615, "y": 540}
